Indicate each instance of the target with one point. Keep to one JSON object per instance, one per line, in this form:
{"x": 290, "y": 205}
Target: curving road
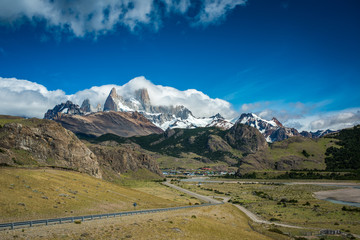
{"x": 208, "y": 199}
{"x": 198, "y": 196}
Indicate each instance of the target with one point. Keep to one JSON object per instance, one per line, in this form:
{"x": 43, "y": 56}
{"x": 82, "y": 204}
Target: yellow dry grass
{"x": 213, "y": 222}
{"x": 28, "y": 194}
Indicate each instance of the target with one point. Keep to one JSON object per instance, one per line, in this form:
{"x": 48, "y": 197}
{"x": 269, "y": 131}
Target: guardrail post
{"x": 72, "y": 219}
{"x": 60, "y": 221}
{"x": 12, "y": 226}
{"x": 91, "y": 217}
{"x": 30, "y": 223}
{"x": 47, "y": 222}
{"x": 82, "y": 219}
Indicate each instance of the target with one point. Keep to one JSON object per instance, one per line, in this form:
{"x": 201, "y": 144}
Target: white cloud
{"x": 199, "y": 103}
{"x": 96, "y": 17}
{"x": 304, "y": 116}
{"x": 337, "y": 120}
{"x": 29, "y": 99}
{"x": 215, "y": 10}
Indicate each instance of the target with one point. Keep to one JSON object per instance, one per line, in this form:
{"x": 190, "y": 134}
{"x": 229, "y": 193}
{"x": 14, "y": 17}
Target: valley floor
{"x": 283, "y": 203}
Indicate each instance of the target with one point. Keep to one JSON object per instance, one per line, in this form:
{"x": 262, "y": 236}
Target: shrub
{"x": 306, "y": 154}
{"x": 275, "y": 230}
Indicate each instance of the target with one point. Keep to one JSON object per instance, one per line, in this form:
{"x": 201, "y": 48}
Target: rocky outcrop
{"x": 125, "y": 157}
{"x": 143, "y": 96}
{"x": 63, "y": 108}
{"x": 272, "y": 130}
{"x": 44, "y": 142}
{"x": 245, "y": 138}
{"x": 124, "y": 124}
{"x": 86, "y": 106}
{"x": 216, "y": 143}
{"x": 110, "y": 103}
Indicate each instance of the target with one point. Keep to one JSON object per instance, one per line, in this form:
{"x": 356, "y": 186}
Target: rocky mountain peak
{"x": 64, "y": 108}
{"x": 110, "y": 103}
{"x": 113, "y": 93}
{"x": 98, "y": 107}
{"x": 217, "y": 116}
{"x": 143, "y": 96}
{"x": 272, "y": 130}
{"x": 85, "y": 106}
{"x": 277, "y": 122}
{"x": 245, "y": 138}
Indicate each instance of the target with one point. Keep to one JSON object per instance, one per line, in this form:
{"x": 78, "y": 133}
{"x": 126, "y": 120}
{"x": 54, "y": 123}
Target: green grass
{"x": 24, "y": 158}
{"x": 289, "y": 154}
{"x": 295, "y": 146}
{"x": 4, "y": 119}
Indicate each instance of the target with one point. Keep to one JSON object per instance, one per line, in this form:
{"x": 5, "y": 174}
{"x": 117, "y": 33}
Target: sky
{"x": 296, "y": 60}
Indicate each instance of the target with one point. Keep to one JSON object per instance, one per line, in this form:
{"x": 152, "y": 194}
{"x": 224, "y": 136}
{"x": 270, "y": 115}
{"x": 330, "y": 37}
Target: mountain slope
{"x": 44, "y": 142}
{"x": 290, "y": 154}
{"x": 124, "y": 124}
{"x": 208, "y": 145}
{"x": 272, "y": 130}
{"x": 39, "y": 142}
{"x": 139, "y": 101}
{"x": 346, "y": 155}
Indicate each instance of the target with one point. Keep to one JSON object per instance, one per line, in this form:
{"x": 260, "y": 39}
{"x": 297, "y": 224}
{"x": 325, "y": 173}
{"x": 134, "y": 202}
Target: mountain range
{"x": 136, "y": 115}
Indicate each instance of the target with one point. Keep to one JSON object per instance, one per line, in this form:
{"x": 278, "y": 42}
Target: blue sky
{"x": 292, "y": 59}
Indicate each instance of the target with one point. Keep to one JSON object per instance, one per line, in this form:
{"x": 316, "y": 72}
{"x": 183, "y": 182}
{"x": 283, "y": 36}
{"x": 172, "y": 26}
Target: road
{"x": 198, "y": 196}
{"x": 251, "y": 215}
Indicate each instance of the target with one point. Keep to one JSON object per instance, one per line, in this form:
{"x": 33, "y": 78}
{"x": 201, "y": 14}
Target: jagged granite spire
{"x": 143, "y": 96}
{"x": 86, "y": 106}
{"x": 110, "y": 104}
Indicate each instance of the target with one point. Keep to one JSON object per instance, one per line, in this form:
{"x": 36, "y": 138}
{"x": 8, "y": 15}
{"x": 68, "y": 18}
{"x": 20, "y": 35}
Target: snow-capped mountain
{"x": 317, "y": 134}
{"x": 272, "y": 130}
{"x": 163, "y": 117}
{"x": 168, "y": 117}
{"x": 193, "y": 122}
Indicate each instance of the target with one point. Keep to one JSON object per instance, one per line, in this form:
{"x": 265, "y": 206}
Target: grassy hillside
{"x": 293, "y": 153}
{"x": 46, "y": 193}
{"x": 4, "y": 119}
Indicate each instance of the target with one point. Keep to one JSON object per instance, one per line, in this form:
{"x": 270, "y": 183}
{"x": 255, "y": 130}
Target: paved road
{"x": 198, "y": 196}
{"x": 208, "y": 199}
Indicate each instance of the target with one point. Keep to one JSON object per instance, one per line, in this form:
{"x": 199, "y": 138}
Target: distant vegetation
{"x": 347, "y": 156}
{"x": 180, "y": 141}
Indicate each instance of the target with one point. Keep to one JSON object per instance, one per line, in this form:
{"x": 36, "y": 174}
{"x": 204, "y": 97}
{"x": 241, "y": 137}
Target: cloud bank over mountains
{"x": 96, "y": 17}
{"x": 30, "y": 99}
{"x": 305, "y": 116}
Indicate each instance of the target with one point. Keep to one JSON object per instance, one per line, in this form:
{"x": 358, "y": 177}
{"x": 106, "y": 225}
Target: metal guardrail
{"x": 32, "y": 223}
